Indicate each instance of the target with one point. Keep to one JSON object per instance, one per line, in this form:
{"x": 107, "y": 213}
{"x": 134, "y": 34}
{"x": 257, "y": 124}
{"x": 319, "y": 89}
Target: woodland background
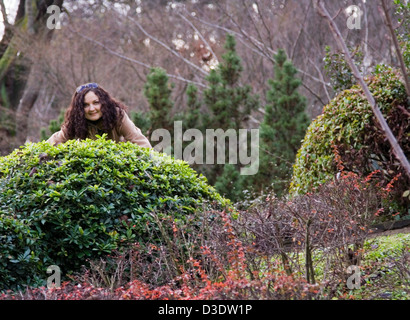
{"x": 117, "y": 43}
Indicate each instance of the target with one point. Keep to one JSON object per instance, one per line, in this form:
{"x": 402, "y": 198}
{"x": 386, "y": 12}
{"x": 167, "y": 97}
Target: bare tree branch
{"x": 314, "y": 94}
{"x": 300, "y": 31}
{"x": 201, "y": 36}
{"x": 255, "y": 42}
{"x": 131, "y": 59}
{"x": 397, "y": 47}
{"x": 379, "y": 116}
{"x": 321, "y": 78}
{"x": 30, "y": 16}
{"x": 258, "y": 46}
{"x": 264, "y": 23}
{"x": 243, "y": 34}
{"x": 4, "y": 14}
{"x": 175, "y": 53}
{"x": 249, "y": 14}
{"x": 366, "y": 58}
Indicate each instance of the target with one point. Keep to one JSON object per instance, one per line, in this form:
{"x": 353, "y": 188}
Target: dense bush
{"x": 79, "y": 200}
{"x": 348, "y": 123}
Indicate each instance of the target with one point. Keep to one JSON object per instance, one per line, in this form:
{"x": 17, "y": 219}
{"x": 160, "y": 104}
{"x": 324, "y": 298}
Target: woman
{"x": 93, "y": 111}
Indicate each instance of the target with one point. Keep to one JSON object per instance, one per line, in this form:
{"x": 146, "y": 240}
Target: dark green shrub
{"x": 348, "y": 123}
{"x": 79, "y": 200}
{"x": 340, "y": 75}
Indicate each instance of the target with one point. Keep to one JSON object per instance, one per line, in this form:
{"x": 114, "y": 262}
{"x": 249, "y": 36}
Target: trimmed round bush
{"x": 61, "y": 205}
{"x": 348, "y": 123}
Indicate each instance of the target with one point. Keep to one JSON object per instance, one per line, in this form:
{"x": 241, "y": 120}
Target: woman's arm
{"x": 132, "y": 133}
{"x": 58, "y": 137}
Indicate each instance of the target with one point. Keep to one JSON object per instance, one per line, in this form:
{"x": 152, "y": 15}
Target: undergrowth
{"x": 299, "y": 248}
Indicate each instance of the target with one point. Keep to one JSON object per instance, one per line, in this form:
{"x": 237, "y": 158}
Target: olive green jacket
{"x": 124, "y": 131}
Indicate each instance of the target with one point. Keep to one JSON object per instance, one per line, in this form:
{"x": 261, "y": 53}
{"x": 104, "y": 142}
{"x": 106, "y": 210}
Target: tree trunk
{"x": 27, "y": 101}
{"x": 310, "y": 271}
{"x": 20, "y": 79}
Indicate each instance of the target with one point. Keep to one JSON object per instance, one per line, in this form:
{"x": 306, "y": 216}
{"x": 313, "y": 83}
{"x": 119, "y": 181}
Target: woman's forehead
{"x": 90, "y": 96}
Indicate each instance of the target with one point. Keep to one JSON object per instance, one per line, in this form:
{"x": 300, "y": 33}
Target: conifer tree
{"x": 141, "y": 120}
{"x": 230, "y": 182}
{"x": 283, "y": 127}
{"x": 192, "y": 118}
{"x": 228, "y": 102}
{"x": 158, "y": 93}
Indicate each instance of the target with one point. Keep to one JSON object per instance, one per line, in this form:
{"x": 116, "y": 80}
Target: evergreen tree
{"x": 192, "y": 118}
{"x": 141, "y": 120}
{"x": 283, "y": 127}
{"x": 230, "y": 182}
{"x": 228, "y": 102}
{"x": 158, "y": 93}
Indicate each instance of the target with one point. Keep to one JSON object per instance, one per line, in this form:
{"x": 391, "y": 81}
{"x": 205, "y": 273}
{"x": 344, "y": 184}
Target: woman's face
{"x": 92, "y": 106}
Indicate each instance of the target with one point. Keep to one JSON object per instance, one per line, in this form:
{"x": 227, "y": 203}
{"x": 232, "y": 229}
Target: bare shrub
{"x": 329, "y": 224}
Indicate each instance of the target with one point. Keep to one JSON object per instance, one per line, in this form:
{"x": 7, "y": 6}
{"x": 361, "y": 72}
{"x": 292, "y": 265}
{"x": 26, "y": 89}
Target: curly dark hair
{"x": 75, "y": 123}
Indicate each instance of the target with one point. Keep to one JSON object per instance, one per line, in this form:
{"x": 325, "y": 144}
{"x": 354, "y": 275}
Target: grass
{"x": 385, "y": 268}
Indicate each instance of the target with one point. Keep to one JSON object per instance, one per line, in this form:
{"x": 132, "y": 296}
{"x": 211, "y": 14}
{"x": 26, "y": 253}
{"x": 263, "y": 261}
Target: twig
{"x": 175, "y": 53}
{"x": 300, "y": 32}
{"x": 321, "y": 77}
{"x": 397, "y": 47}
{"x": 131, "y": 59}
{"x": 4, "y": 14}
{"x": 258, "y": 46}
{"x": 264, "y": 24}
{"x": 201, "y": 36}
